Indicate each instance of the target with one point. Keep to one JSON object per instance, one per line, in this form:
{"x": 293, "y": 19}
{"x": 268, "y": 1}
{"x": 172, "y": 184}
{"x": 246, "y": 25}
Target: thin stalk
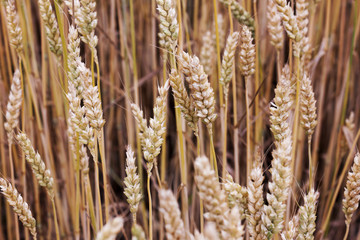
{"x": 224, "y": 162}
{"x": 97, "y": 187}
{"x": 55, "y": 220}
{"x": 17, "y": 233}
{"x": 311, "y": 177}
{"x": 150, "y": 206}
{"x": 104, "y": 172}
{"x": 213, "y": 154}
{"x": 347, "y": 231}
{"x": 248, "y": 128}
{"x": 163, "y": 147}
{"x": 90, "y": 203}
{"x": 77, "y": 195}
{"x": 218, "y": 51}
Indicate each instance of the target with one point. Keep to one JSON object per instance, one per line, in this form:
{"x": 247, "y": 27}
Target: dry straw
{"x": 132, "y": 183}
{"x": 15, "y": 32}
{"x": 111, "y": 229}
{"x": 42, "y": 174}
{"x": 13, "y": 106}
{"x": 51, "y": 27}
{"x": 19, "y": 205}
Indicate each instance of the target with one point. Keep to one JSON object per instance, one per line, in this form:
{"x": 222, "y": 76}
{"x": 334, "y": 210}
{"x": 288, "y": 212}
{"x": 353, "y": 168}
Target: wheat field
{"x": 179, "y": 119}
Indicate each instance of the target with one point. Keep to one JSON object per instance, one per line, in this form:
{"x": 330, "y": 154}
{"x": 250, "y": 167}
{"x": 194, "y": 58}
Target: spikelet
{"x": 215, "y": 201}
{"x": 51, "y": 27}
{"x": 255, "y": 198}
{"x": 15, "y": 32}
{"x": 19, "y": 205}
{"x": 132, "y": 183}
{"x": 73, "y": 48}
{"x": 247, "y": 53}
{"x": 292, "y": 229}
{"x": 307, "y": 215}
{"x": 169, "y": 28}
{"x": 227, "y": 64}
{"x": 182, "y": 98}
{"x": 92, "y": 100}
{"x": 274, "y": 26}
{"x": 207, "y": 52}
{"x": 280, "y": 107}
{"x": 237, "y": 195}
{"x": 307, "y": 106}
{"x": 240, "y": 14}
{"x": 152, "y": 136}
{"x": 13, "y": 106}
{"x": 169, "y": 207}
{"x": 352, "y": 191}
{"x": 201, "y": 91}
{"x": 273, "y": 215}
{"x": 42, "y": 174}
{"x": 111, "y": 229}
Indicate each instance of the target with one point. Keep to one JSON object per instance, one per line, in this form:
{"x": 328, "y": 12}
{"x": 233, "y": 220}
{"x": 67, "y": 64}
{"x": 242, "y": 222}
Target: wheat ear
{"x": 182, "y": 98}
{"x": 15, "y": 32}
{"x": 169, "y": 28}
{"x": 201, "y": 91}
{"x": 255, "y": 198}
{"x": 274, "y": 26}
{"x": 13, "y": 106}
{"x": 307, "y": 216}
{"x": 73, "y": 48}
{"x": 42, "y": 174}
{"x": 207, "y": 51}
{"x": 292, "y": 230}
{"x": 132, "y": 183}
{"x": 307, "y": 106}
{"x": 51, "y": 27}
{"x": 227, "y": 64}
{"x": 137, "y": 232}
{"x": 19, "y": 205}
{"x": 247, "y": 53}
{"x": 302, "y": 15}
{"x": 215, "y": 201}
{"x": 169, "y": 207}
{"x": 111, "y": 229}
{"x": 352, "y": 191}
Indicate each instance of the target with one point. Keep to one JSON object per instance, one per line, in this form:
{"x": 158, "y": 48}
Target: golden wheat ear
{"x": 111, "y": 229}
{"x": 14, "y": 29}
{"x": 22, "y": 209}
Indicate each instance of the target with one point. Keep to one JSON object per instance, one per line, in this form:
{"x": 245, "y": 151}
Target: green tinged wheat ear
{"x": 169, "y": 28}
{"x": 274, "y": 212}
{"x": 111, "y": 229}
{"x": 15, "y": 32}
{"x": 255, "y": 198}
{"x": 51, "y": 27}
{"x": 42, "y": 174}
{"x": 169, "y": 207}
{"x": 307, "y": 216}
{"x": 227, "y": 64}
{"x": 307, "y": 106}
{"x": 19, "y": 205}
{"x": 132, "y": 183}
{"x": 240, "y": 14}
{"x": 274, "y": 26}
{"x": 152, "y": 136}
{"x": 201, "y": 91}
{"x": 137, "y": 232}
{"x": 182, "y": 98}
{"x": 207, "y": 52}
{"x": 247, "y": 53}
{"x": 215, "y": 201}
{"x": 237, "y": 195}
{"x": 352, "y": 191}
{"x": 13, "y": 106}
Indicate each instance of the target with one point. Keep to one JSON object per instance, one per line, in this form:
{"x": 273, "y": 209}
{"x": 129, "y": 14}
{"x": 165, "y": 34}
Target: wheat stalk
{"x": 132, "y": 183}
{"x": 111, "y": 229}
{"x": 15, "y": 32}
{"x": 13, "y": 106}
{"x": 42, "y": 174}
{"x": 19, "y": 205}
{"x": 51, "y": 27}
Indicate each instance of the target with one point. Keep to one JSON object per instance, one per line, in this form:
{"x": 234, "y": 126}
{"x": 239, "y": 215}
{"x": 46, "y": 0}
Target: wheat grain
{"x": 307, "y": 216}
{"x": 19, "y": 205}
{"x": 51, "y": 27}
{"x": 227, "y": 64}
{"x": 169, "y": 207}
{"x": 111, "y": 229}
{"x": 13, "y": 106}
{"x": 132, "y": 183}
{"x": 14, "y": 29}
{"x": 42, "y": 174}
{"x": 352, "y": 191}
